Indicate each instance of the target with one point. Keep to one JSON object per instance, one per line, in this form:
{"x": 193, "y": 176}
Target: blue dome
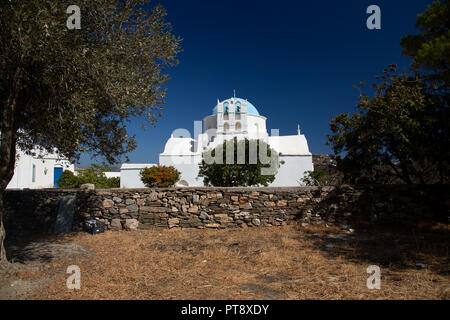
{"x": 250, "y": 108}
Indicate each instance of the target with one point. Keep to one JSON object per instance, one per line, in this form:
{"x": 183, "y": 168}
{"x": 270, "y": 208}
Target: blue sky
{"x": 296, "y": 61}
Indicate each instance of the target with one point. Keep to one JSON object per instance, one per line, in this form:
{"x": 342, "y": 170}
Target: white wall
{"x": 256, "y": 126}
{"x": 292, "y": 171}
{"x": 44, "y": 171}
{"x": 209, "y": 122}
{"x": 130, "y": 175}
{"x": 186, "y": 165}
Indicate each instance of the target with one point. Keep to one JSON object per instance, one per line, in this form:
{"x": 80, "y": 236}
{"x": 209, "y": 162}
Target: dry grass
{"x": 259, "y": 263}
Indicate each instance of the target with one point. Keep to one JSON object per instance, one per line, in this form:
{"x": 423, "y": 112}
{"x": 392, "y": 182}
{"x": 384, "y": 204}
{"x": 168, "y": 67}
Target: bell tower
{"x": 232, "y": 116}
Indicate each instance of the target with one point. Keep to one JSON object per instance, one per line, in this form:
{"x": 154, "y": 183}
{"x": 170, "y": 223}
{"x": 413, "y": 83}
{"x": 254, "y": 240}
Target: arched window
{"x": 238, "y": 126}
{"x": 226, "y": 127}
{"x": 237, "y": 115}
{"x": 225, "y": 111}
{"x": 226, "y": 108}
{"x": 238, "y": 107}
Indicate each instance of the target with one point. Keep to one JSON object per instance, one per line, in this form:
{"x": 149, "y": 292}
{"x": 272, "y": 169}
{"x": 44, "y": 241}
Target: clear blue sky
{"x": 296, "y": 61}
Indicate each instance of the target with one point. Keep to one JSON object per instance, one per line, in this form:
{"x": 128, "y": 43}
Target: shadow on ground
{"x": 42, "y": 248}
{"x": 401, "y": 247}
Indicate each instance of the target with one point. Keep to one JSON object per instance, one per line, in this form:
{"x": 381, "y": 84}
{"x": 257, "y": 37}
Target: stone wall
{"x": 32, "y": 211}
{"x": 35, "y": 210}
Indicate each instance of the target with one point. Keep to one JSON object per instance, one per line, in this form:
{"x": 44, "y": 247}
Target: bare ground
{"x": 292, "y": 262}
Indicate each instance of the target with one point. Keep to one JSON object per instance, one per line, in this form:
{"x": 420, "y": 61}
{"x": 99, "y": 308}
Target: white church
{"x": 234, "y": 117}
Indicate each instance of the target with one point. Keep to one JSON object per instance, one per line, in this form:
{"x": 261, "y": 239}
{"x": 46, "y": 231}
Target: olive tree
{"x": 75, "y": 89}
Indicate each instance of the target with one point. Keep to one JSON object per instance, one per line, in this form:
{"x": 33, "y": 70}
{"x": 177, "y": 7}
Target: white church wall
{"x": 188, "y": 166}
{"x": 292, "y": 171}
{"x": 220, "y": 139}
{"x": 185, "y": 154}
{"x": 256, "y": 125}
{"x": 130, "y": 175}
{"x": 210, "y": 122}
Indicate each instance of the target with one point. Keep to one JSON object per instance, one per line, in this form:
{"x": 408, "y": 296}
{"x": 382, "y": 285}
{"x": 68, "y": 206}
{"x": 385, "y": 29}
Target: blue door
{"x": 57, "y": 175}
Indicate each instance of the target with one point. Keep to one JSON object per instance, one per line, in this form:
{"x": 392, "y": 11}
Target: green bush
{"x": 112, "y": 183}
{"x": 95, "y": 175}
{"x": 159, "y": 176}
{"x": 239, "y": 175}
{"x": 314, "y": 178}
{"x": 68, "y": 180}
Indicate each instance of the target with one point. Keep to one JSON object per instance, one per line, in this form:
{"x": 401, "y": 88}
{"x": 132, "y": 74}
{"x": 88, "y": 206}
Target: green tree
{"x": 68, "y": 180}
{"x": 76, "y": 89}
{"x": 430, "y": 49}
{"x": 95, "y": 174}
{"x": 397, "y": 135}
{"x": 110, "y": 183}
{"x": 402, "y": 133}
{"x": 241, "y": 172}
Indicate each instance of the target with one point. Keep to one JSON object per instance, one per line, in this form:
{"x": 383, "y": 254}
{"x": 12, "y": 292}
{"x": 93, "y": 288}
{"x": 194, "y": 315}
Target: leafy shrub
{"x": 112, "y": 183}
{"x": 95, "y": 175}
{"x": 314, "y": 178}
{"x": 68, "y": 180}
{"x": 239, "y": 175}
{"x": 159, "y": 176}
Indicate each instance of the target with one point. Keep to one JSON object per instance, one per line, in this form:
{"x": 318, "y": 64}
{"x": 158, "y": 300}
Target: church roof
{"x": 251, "y": 109}
{"x": 290, "y": 145}
{"x": 179, "y": 147}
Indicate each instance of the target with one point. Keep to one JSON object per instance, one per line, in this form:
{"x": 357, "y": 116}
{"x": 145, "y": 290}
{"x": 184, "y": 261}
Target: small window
{"x": 33, "y": 174}
{"x": 238, "y": 126}
{"x": 226, "y": 127}
{"x": 225, "y": 108}
{"x": 238, "y": 107}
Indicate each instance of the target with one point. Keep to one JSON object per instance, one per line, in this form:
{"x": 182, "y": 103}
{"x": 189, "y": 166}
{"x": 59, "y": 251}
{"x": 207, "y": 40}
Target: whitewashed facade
{"x": 40, "y": 171}
{"x": 231, "y": 118}
{"x": 130, "y": 175}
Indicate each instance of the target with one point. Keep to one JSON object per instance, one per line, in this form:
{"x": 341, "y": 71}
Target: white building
{"x": 40, "y": 171}
{"x": 234, "y": 117}
{"x": 231, "y": 118}
{"x": 130, "y": 175}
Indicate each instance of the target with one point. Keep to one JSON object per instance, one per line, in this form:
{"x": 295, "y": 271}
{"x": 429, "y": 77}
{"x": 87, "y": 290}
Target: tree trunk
{"x": 3, "y": 259}
{"x": 4, "y": 180}
{"x": 8, "y": 139}
{"x": 8, "y": 169}
{"x": 6, "y": 174}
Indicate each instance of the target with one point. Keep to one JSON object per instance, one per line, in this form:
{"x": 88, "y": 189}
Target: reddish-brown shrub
{"x": 159, "y": 176}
